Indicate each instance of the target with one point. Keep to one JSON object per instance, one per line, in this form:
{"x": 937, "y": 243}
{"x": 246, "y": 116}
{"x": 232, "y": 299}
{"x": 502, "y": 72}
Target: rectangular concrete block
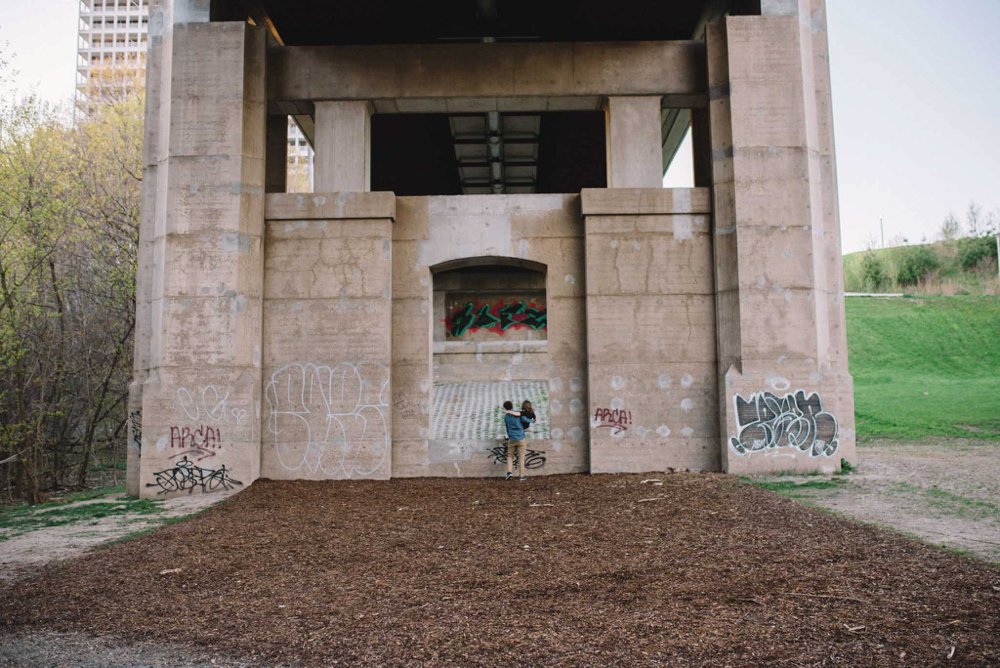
{"x": 650, "y": 327}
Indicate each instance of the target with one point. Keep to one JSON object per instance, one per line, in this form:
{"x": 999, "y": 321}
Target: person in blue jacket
{"x": 515, "y": 439}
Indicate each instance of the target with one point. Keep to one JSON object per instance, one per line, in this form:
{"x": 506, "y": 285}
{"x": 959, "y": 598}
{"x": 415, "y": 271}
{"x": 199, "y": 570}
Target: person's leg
{"x": 522, "y": 451}
{"x": 510, "y": 458}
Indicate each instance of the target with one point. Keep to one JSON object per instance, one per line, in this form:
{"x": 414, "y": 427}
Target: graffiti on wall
{"x": 209, "y": 404}
{"x": 135, "y": 421}
{"x": 497, "y": 317}
{"x": 767, "y": 421}
{"x": 615, "y": 419}
{"x": 186, "y": 475}
{"x": 200, "y": 442}
{"x": 533, "y": 459}
{"x": 329, "y": 419}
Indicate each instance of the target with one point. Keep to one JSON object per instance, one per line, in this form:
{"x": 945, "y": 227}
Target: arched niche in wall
{"x": 490, "y": 345}
{"x": 489, "y": 299}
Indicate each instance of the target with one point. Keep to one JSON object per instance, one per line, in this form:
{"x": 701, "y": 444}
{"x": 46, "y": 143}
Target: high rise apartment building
{"x": 111, "y": 58}
{"x": 111, "y": 50}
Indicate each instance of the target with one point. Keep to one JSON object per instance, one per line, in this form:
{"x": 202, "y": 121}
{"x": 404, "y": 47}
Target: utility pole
{"x": 881, "y": 229}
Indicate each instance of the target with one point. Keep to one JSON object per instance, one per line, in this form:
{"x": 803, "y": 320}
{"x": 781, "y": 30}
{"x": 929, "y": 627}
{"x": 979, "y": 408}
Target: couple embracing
{"x": 516, "y": 422}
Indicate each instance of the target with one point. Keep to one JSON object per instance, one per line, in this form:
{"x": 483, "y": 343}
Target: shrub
{"x": 973, "y": 251}
{"x": 914, "y": 264}
{"x": 873, "y": 273}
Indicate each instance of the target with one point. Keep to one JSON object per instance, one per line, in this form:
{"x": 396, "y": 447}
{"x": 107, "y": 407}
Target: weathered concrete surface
{"x": 462, "y": 72}
{"x": 432, "y": 232}
{"x": 635, "y": 159}
{"x": 650, "y": 325}
{"x": 699, "y": 328}
{"x": 327, "y": 339}
{"x": 777, "y": 268}
{"x": 204, "y": 255}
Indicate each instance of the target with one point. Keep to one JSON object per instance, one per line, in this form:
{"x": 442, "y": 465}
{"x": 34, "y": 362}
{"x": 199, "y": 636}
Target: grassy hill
{"x": 960, "y": 267}
{"x": 927, "y": 366}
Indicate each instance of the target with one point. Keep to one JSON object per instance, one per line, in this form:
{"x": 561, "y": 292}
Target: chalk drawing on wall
{"x": 766, "y": 421}
{"x": 497, "y": 317}
{"x": 471, "y": 410}
{"x": 329, "y": 419}
{"x": 186, "y": 475}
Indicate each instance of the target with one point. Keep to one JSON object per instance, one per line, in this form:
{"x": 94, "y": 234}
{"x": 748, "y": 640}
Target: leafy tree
{"x": 873, "y": 274}
{"x": 915, "y": 263}
{"x": 69, "y": 209}
{"x": 972, "y": 251}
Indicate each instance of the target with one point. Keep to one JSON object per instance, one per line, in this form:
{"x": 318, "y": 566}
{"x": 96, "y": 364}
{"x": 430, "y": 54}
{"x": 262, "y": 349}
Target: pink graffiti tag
{"x": 200, "y": 442}
{"x": 615, "y": 419}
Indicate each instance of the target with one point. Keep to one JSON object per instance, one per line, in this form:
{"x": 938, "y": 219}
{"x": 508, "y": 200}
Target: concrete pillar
{"x": 201, "y": 394}
{"x": 343, "y": 146}
{"x": 786, "y": 397}
{"x": 635, "y": 158}
{"x": 651, "y": 365}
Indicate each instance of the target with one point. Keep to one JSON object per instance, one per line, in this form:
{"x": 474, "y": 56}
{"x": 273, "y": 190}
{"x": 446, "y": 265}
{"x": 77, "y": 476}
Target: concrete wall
{"x": 650, "y": 330}
{"x": 327, "y": 336}
{"x": 431, "y": 231}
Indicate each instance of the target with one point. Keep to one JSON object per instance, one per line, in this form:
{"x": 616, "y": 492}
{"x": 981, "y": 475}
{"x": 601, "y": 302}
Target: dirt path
{"x": 24, "y": 553}
{"x": 946, "y": 492}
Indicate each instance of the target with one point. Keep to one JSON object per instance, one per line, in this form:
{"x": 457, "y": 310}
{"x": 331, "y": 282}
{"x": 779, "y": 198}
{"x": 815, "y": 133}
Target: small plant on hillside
{"x": 873, "y": 274}
{"x": 915, "y": 263}
{"x": 973, "y": 251}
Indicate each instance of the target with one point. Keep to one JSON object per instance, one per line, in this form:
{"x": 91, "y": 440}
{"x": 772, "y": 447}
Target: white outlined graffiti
{"x": 329, "y": 419}
{"x": 766, "y": 421}
{"x": 206, "y": 405}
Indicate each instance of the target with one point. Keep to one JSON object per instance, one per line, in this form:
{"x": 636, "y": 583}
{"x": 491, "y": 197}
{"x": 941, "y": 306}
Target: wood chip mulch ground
{"x": 560, "y": 570}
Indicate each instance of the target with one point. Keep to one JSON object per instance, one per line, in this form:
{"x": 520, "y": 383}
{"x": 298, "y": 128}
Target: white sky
{"x": 916, "y": 93}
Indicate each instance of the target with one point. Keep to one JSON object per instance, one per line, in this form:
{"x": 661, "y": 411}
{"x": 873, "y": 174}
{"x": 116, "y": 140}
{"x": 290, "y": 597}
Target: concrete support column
{"x": 786, "y": 397}
{"x": 343, "y": 146}
{"x": 650, "y": 317}
{"x": 634, "y": 145}
{"x": 200, "y": 404}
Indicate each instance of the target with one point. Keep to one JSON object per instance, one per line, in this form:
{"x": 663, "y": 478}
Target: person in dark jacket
{"x": 527, "y": 414}
{"x": 515, "y": 439}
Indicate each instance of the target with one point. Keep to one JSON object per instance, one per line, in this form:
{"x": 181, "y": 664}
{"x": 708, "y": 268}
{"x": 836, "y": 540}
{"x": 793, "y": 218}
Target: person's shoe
{"x": 522, "y": 478}
{"x": 509, "y": 475}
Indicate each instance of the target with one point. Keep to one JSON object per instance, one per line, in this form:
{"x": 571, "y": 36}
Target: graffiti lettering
{"x": 208, "y": 404}
{"x": 766, "y": 421}
{"x": 201, "y": 441}
{"x": 499, "y": 317}
{"x": 615, "y": 419}
{"x": 533, "y": 459}
{"x": 185, "y": 475}
{"x": 135, "y": 421}
{"x": 332, "y": 419}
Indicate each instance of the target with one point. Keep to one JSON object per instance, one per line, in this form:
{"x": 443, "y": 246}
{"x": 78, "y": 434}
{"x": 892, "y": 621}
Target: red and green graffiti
{"x": 498, "y": 317}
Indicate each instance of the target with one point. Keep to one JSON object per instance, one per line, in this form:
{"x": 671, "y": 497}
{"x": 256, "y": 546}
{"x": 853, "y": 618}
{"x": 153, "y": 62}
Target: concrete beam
{"x": 435, "y": 71}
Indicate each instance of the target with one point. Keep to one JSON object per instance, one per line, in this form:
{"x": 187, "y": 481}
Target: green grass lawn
{"x": 926, "y": 366}
{"x": 22, "y": 518}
